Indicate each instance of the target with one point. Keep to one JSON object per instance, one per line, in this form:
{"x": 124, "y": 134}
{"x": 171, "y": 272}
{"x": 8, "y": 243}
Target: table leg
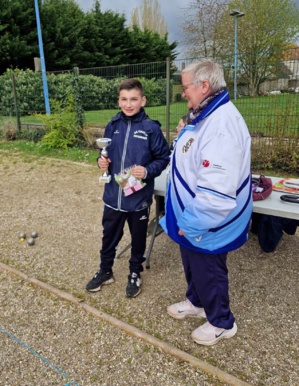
{"x": 158, "y": 212}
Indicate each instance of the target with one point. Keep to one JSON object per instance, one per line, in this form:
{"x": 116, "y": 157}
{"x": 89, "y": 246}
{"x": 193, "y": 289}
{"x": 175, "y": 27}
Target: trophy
{"x": 103, "y": 143}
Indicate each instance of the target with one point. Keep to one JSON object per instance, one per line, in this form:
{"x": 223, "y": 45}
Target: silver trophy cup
{"x": 103, "y": 143}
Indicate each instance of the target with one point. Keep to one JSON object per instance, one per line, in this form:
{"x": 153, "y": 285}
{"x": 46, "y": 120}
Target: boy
{"x": 136, "y": 141}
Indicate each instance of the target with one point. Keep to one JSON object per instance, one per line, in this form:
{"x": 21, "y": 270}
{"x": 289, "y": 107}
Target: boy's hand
{"x": 139, "y": 172}
{"x": 103, "y": 163}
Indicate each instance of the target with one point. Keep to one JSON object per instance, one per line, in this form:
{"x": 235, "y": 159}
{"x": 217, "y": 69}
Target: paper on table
{"x": 287, "y": 185}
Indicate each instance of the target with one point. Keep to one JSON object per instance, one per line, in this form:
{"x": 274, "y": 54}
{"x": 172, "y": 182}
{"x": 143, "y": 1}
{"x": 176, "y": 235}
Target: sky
{"x": 171, "y": 10}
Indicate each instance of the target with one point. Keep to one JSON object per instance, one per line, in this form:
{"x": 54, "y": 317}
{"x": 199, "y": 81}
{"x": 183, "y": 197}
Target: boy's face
{"x": 131, "y": 101}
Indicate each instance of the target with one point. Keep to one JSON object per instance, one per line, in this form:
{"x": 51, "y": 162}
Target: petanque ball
{"x": 22, "y": 235}
{"x": 31, "y": 241}
{"x": 34, "y": 234}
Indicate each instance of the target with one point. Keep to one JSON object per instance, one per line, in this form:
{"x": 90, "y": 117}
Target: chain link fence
{"x": 271, "y": 111}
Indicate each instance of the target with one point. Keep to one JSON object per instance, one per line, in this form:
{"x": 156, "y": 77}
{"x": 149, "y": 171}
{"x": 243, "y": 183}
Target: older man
{"x": 209, "y": 200}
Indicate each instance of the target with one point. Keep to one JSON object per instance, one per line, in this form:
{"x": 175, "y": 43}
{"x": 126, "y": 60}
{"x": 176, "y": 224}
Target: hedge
{"x": 96, "y": 92}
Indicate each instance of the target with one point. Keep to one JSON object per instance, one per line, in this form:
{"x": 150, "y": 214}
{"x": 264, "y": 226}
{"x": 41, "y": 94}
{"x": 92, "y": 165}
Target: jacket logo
{"x": 188, "y": 144}
{"x": 140, "y": 134}
{"x": 220, "y": 167}
{"x": 205, "y": 163}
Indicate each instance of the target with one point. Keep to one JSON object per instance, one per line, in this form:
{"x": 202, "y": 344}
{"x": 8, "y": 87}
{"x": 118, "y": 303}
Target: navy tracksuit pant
{"x": 207, "y": 279}
{"x": 113, "y": 229}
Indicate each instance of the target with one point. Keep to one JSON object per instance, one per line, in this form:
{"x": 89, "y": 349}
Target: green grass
{"x": 100, "y": 118}
{"x": 265, "y": 114}
{"x": 72, "y": 154}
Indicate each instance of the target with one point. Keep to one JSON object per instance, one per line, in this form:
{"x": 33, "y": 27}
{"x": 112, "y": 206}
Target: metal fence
{"x": 270, "y": 115}
{"x": 277, "y": 99}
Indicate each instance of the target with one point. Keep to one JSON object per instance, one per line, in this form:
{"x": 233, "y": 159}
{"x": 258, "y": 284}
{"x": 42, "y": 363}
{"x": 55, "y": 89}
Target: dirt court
{"x": 62, "y": 201}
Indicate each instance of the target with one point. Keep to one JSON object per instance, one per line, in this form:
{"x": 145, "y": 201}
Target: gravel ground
{"x": 62, "y": 202}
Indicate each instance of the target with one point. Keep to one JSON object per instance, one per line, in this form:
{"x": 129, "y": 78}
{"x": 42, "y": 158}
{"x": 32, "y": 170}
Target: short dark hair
{"x": 130, "y": 84}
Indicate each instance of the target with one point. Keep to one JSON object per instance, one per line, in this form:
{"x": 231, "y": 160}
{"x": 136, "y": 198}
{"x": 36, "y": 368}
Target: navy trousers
{"x": 113, "y": 229}
{"x": 207, "y": 279}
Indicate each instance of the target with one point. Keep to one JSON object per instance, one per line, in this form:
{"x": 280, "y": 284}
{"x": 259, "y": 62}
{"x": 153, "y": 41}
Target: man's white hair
{"x": 206, "y": 69}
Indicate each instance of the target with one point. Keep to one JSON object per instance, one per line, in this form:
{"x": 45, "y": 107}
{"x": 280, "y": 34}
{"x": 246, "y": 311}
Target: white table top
{"x": 160, "y": 184}
{"x": 272, "y": 205}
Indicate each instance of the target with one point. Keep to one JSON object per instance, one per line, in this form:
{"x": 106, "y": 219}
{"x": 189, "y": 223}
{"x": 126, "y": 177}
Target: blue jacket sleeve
{"x": 160, "y": 154}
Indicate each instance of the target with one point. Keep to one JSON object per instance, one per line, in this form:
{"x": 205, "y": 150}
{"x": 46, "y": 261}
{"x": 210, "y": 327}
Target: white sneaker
{"x": 185, "y": 308}
{"x": 209, "y": 335}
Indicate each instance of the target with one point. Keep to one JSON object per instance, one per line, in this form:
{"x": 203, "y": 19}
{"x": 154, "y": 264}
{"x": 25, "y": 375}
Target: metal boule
{"x": 34, "y": 234}
{"x": 22, "y": 235}
{"x": 31, "y": 241}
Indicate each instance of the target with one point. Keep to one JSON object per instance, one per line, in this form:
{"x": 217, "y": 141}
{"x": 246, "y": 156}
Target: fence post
{"x": 14, "y": 90}
{"x": 78, "y": 100}
{"x": 167, "y": 98}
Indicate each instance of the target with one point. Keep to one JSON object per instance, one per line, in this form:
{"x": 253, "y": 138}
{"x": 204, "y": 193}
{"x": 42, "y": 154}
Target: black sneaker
{"x": 134, "y": 285}
{"x": 98, "y": 280}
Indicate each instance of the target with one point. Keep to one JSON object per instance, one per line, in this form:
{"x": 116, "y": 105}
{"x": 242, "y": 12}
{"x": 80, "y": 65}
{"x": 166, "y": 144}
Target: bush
{"x": 33, "y": 135}
{"x": 10, "y": 131}
{"x": 178, "y": 97}
{"x": 60, "y": 126}
{"x": 96, "y": 93}
{"x": 280, "y": 151}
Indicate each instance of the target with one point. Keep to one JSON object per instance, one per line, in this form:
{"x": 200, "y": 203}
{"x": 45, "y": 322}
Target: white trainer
{"x": 209, "y": 335}
{"x": 185, "y": 309}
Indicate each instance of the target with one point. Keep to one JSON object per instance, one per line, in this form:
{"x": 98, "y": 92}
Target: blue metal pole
{"x": 42, "y": 59}
{"x": 236, "y": 56}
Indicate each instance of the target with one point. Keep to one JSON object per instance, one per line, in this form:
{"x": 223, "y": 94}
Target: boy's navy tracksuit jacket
{"x": 136, "y": 140}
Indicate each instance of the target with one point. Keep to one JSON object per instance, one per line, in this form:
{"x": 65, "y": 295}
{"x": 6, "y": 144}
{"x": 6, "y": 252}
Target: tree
{"x": 267, "y": 28}
{"x": 111, "y": 37}
{"x": 263, "y": 33}
{"x": 200, "y": 28}
{"x": 148, "y": 17}
{"x": 149, "y": 46}
{"x": 18, "y": 36}
{"x": 95, "y": 38}
{"x": 62, "y": 25}
{"x": 72, "y": 38}
{"x": 115, "y": 44}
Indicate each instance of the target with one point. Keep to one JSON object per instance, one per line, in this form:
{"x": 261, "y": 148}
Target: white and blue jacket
{"x": 209, "y": 193}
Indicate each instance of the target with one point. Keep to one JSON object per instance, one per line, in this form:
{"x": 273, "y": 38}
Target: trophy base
{"x": 105, "y": 179}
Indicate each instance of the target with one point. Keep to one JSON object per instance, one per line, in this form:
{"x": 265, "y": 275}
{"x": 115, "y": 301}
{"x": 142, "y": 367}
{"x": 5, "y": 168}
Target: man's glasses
{"x": 185, "y": 86}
